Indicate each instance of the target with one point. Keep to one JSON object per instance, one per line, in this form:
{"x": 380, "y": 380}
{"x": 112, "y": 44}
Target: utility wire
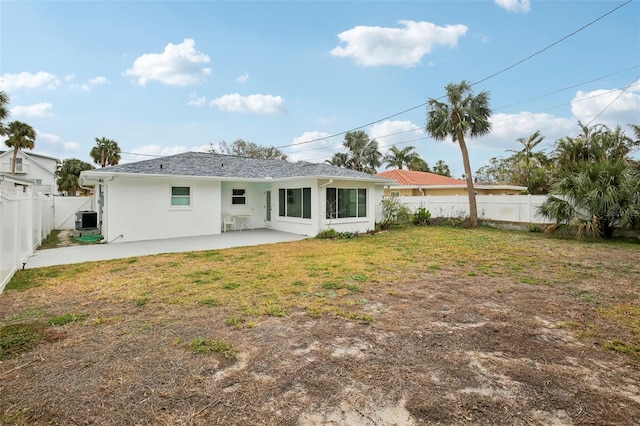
{"x": 552, "y": 44}
{"x": 472, "y": 84}
{"x": 615, "y": 99}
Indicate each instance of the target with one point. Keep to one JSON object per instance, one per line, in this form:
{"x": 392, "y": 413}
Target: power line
{"x": 615, "y": 99}
{"x": 472, "y": 84}
{"x": 567, "y": 88}
{"x": 552, "y": 44}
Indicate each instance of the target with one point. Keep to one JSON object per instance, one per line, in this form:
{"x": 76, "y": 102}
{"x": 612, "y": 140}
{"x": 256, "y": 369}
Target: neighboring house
{"x": 188, "y": 194}
{"x": 39, "y": 170}
{"x": 409, "y": 183}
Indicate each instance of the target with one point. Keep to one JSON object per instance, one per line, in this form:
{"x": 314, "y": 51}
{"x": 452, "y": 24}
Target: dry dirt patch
{"x": 446, "y": 346}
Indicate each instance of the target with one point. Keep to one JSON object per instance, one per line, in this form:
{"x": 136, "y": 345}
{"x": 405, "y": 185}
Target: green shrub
{"x": 394, "y": 212}
{"x": 532, "y": 227}
{"x": 422, "y": 216}
{"x": 328, "y": 233}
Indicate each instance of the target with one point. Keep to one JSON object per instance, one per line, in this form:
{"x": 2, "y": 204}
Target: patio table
{"x": 243, "y": 221}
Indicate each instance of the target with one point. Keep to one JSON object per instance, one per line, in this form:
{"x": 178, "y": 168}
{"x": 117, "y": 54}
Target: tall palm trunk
{"x": 473, "y": 208}
{"x": 15, "y": 158}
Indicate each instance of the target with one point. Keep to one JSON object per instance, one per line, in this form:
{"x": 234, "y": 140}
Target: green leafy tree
{"x": 441, "y": 168}
{"x": 106, "y": 152}
{"x": 463, "y": 115}
{"x": 498, "y": 171}
{"x": 363, "y": 153}
{"x": 243, "y": 148}
{"x": 399, "y": 158}
{"x": 419, "y": 165}
{"x": 68, "y": 174}
{"x": 4, "y": 112}
{"x": 600, "y": 189}
{"x": 21, "y": 136}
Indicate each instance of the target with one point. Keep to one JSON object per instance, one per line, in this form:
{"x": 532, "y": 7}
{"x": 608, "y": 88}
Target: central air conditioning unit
{"x": 86, "y": 220}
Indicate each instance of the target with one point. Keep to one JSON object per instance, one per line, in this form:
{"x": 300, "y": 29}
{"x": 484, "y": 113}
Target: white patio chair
{"x": 228, "y": 220}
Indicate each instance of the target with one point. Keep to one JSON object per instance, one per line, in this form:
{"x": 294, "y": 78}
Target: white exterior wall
{"x": 140, "y": 209}
{"x": 295, "y": 225}
{"x": 254, "y": 206}
{"x": 34, "y": 168}
{"x": 353, "y": 224}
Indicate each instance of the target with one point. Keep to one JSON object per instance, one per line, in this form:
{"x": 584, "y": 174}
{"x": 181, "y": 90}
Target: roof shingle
{"x": 230, "y": 166}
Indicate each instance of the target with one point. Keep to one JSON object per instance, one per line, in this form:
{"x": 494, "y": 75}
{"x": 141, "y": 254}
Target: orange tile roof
{"x": 410, "y": 177}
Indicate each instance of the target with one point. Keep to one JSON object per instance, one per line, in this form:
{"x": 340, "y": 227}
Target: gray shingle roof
{"x": 229, "y": 166}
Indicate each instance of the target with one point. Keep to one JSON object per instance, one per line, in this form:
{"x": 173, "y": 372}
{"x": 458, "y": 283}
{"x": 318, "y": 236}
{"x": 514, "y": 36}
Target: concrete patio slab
{"x": 97, "y": 252}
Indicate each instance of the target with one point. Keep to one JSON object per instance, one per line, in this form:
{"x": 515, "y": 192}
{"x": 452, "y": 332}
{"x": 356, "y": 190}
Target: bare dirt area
{"x": 442, "y": 348}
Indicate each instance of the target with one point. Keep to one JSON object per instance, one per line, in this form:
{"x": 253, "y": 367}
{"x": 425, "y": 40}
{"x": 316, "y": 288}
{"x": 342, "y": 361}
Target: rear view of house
{"x": 189, "y": 194}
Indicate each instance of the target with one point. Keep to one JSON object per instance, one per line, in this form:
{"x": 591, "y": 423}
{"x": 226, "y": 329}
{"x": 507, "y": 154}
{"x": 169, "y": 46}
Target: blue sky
{"x": 162, "y": 77}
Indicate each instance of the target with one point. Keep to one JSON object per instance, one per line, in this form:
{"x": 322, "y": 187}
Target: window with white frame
{"x": 18, "y": 164}
{"x": 239, "y": 197}
{"x": 180, "y": 196}
{"x": 295, "y": 202}
{"x": 346, "y": 202}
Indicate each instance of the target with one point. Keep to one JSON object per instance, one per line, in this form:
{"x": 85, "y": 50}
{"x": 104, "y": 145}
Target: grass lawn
{"x": 413, "y": 325}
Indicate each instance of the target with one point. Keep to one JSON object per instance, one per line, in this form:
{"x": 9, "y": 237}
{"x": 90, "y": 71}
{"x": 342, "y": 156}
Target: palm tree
{"x": 401, "y": 157}
{"x": 442, "y": 168}
{"x": 464, "y": 115}
{"x": 69, "y": 173}
{"x": 106, "y": 152}
{"x": 4, "y": 112}
{"x": 419, "y": 165}
{"x": 363, "y": 153}
{"x": 21, "y": 136}
{"x": 530, "y": 163}
{"x": 339, "y": 159}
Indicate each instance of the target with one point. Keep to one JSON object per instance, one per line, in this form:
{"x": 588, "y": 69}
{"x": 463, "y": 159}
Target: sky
{"x": 164, "y": 77}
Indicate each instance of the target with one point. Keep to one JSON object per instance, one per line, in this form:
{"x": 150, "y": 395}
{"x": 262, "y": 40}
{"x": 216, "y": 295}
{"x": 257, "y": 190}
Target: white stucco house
{"x": 37, "y": 171}
{"x": 188, "y": 194}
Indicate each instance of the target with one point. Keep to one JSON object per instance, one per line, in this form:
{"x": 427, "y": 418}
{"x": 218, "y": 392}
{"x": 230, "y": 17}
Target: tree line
{"x": 592, "y": 179}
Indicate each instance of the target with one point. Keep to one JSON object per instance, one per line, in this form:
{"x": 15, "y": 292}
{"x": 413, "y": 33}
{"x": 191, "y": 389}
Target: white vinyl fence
{"x": 65, "y": 210}
{"x": 26, "y": 219}
{"x": 507, "y": 208}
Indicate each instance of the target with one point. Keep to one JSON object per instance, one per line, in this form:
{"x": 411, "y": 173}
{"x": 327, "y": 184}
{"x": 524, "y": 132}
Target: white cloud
{"x": 56, "y": 141}
{"x": 27, "y": 80}
{"x": 374, "y": 46}
{"x": 516, "y": 6}
{"x": 194, "y": 100}
{"x": 610, "y": 107}
{"x": 259, "y": 104}
{"x": 321, "y": 149}
{"x": 36, "y": 110}
{"x": 400, "y": 133}
{"x": 243, "y": 78}
{"x": 179, "y": 65}
{"x": 90, "y": 84}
